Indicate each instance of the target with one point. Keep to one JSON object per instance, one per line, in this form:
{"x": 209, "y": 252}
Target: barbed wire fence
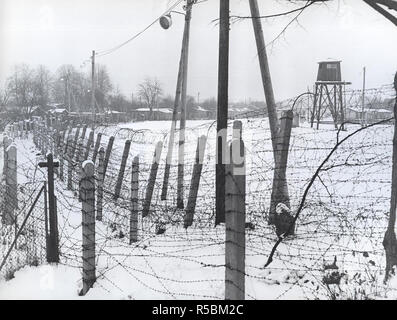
{"x": 336, "y": 251}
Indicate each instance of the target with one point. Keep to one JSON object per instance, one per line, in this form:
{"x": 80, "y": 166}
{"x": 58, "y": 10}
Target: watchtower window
{"x": 331, "y": 66}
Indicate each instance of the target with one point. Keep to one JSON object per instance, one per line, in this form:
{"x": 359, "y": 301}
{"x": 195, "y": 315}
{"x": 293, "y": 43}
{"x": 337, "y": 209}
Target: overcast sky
{"x": 56, "y": 32}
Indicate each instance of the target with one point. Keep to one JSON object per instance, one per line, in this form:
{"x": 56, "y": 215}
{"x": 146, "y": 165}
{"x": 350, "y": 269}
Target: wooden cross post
{"x": 53, "y": 250}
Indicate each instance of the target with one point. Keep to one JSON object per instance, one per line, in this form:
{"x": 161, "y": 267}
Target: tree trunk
{"x": 390, "y": 241}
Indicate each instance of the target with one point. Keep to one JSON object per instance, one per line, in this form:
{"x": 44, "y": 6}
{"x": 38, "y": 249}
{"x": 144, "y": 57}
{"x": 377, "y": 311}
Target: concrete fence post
{"x": 88, "y": 224}
{"x": 100, "y": 181}
{"x": 235, "y": 218}
{"x": 134, "y": 201}
{"x": 11, "y": 202}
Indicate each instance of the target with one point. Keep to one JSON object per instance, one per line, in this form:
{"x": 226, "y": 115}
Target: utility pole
{"x": 265, "y": 72}
{"x": 93, "y": 88}
{"x": 363, "y": 101}
{"x": 177, "y": 100}
{"x": 222, "y": 110}
{"x": 182, "y": 121}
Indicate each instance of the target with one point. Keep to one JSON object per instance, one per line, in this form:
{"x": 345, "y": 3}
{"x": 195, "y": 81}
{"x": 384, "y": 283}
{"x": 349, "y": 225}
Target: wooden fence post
{"x": 11, "y": 203}
{"x": 235, "y": 218}
{"x": 152, "y": 179}
{"x": 89, "y": 144}
{"x": 97, "y": 145}
{"x": 20, "y": 125}
{"x": 84, "y": 131}
{"x": 56, "y": 141}
{"x": 195, "y": 182}
{"x": 42, "y": 141}
{"x": 75, "y": 140}
{"x": 122, "y": 170}
{"x": 53, "y": 240}
{"x": 71, "y": 163}
{"x": 6, "y": 143}
{"x": 46, "y": 140}
{"x": 69, "y": 147}
{"x": 88, "y": 223}
{"x": 61, "y": 153}
{"x": 134, "y": 201}
{"x": 34, "y": 133}
{"x": 100, "y": 181}
{"x": 107, "y": 155}
{"x": 19, "y": 128}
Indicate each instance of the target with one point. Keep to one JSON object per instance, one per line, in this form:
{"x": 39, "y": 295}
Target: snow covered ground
{"x": 344, "y": 217}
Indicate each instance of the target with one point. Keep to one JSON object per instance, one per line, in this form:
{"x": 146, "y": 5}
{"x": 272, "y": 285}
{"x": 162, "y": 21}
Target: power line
{"x": 109, "y": 51}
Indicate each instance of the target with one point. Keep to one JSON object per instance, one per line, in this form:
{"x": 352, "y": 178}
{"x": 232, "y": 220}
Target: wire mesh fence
{"x": 23, "y": 240}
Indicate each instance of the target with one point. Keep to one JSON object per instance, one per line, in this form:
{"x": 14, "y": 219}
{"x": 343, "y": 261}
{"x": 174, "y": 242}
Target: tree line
{"x": 28, "y": 87}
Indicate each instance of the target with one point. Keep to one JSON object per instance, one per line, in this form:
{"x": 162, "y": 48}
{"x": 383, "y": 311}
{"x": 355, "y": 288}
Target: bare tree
{"x": 71, "y": 87}
{"x": 149, "y": 91}
{"x": 20, "y": 86}
{"x": 104, "y": 84}
{"x": 4, "y": 97}
{"x": 41, "y": 85}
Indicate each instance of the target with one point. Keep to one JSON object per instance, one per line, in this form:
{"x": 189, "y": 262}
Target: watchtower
{"x": 328, "y": 93}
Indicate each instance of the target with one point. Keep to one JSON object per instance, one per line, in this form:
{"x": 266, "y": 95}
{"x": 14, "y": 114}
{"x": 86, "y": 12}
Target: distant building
{"x": 143, "y": 114}
{"x": 200, "y": 113}
{"x": 357, "y": 114}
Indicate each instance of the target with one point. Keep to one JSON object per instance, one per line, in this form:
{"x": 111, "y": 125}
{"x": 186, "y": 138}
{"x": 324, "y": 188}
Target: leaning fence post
{"x": 6, "y": 143}
{"x": 235, "y": 218}
{"x": 134, "y": 201}
{"x": 11, "y": 203}
{"x": 20, "y": 125}
{"x": 61, "y": 154}
{"x": 97, "y": 145}
{"x": 195, "y": 182}
{"x": 100, "y": 180}
{"x": 69, "y": 147}
{"x": 152, "y": 179}
{"x": 34, "y": 133}
{"x": 84, "y": 131}
{"x": 75, "y": 141}
{"x": 79, "y": 161}
{"x": 88, "y": 224}
{"x": 88, "y": 146}
{"x": 107, "y": 155}
{"x": 122, "y": 169}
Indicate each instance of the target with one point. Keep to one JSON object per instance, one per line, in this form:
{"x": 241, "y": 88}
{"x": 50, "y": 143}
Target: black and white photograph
{"x": 198, "y": 150}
